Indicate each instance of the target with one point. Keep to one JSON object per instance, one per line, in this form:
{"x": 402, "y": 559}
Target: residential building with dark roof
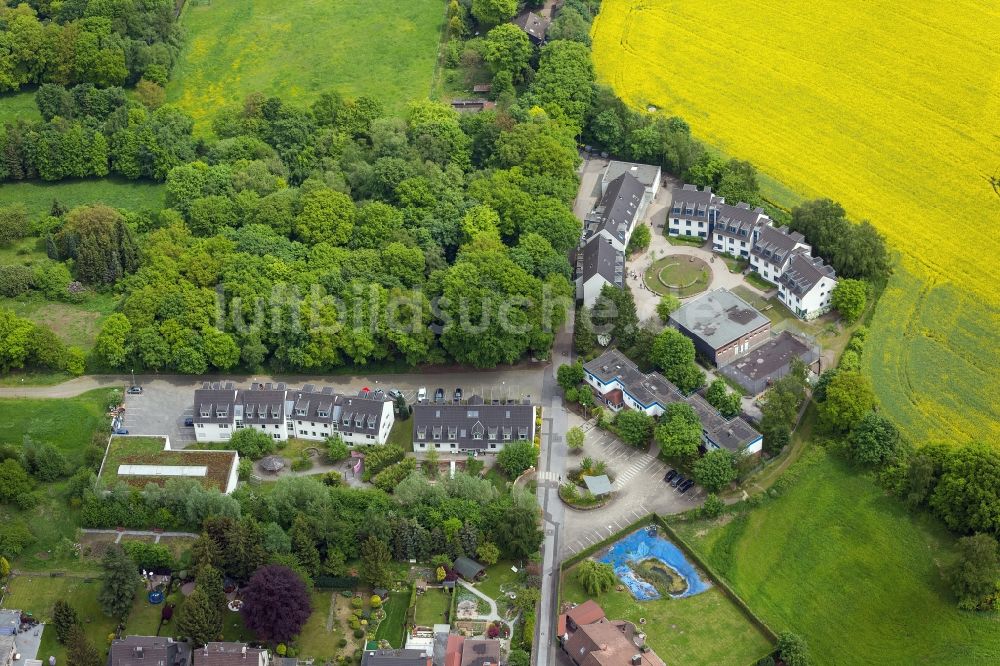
{"x": 619, "y": 383}
{"x": 806, "y": 285}
{"x": 617, "y": 212}
{"x": 229, "y": 654}
{"x": 604, "y": 642}
{"x": 214, "y": 411}
{"x": 534, "y": 25}
{"x": 308, "y": 413}
{"x": 598, "y": 263}
{"x": 692, "y": 211}
{"x": 773, "y": 249}
{"x": 648, "y": 175}
{"x": 475, "y": 427}
{"x": 148, "y": 651}
{"x": 395, "y": 658}
{"x": 463, "y": 651}
{"x": 722, "y": 326}
{"x": 736, "y": 228}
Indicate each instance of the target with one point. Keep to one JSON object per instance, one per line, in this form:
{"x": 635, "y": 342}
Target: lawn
{"x": 841, "y": 563}
{"x": 838, "y": 116}
{"x": 18, "y": 106}
{"x": 704, "y": 628}
{"x": 67, "y": 423}
{"x": 678, "y": 275}
{"x": 315, "y": 641}
{"x": 115, "y": 192}
{"x": 38, "y": 595}
{"x": 432, "y": 607}
{"x": 497, "y": 576}
{"x": 301, "y": 48}
{"x": 392, "y": 627}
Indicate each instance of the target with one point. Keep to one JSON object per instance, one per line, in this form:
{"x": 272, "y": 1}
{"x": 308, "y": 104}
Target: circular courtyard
{"x": 680, "y": 275}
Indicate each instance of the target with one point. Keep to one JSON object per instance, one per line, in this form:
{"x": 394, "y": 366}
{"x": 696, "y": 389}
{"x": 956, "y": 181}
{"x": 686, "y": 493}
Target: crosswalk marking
{"x": 546, "y": 476}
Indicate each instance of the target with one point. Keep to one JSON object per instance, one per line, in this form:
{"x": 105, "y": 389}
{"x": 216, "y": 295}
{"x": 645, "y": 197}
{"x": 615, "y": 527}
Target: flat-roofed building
{"x": 722, "y": 326}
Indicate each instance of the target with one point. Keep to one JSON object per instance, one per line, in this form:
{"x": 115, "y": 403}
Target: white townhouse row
{"x": 805, "y": 283}
{"x": 619, "y": 383}
{"x": 280, "y": 412}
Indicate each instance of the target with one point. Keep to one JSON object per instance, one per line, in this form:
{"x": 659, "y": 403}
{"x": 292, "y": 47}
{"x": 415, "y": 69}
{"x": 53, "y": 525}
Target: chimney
{"x": 636, "y": 659}
{"x": 138, "y": 652}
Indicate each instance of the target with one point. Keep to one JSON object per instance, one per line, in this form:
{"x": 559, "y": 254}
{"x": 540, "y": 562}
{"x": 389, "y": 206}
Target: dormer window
{"x": 452, "y": 432}
{"x": 507, "y": 433}
{"x": 371, "y": 421}
{"x": 206, "y": 411}
{"x": 422, "y": 433}
{"x": 221, "y": 412}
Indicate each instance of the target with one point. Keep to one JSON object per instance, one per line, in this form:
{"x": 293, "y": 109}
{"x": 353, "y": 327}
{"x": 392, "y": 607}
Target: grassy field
{"x": 67, "y": 424}
{"x": 686, "y": 278}
{"x": 116, "y": 192}
{"x": 839, "y": 562}
{"x": 702, "y": 629}
{"x": 38, "y": 594}
{"x": 300, "y": 48}
{"x": 497, "y": 576}
{"x": 18, "y": 106}
{"x": 315, "y": 641}
{"x": 844, "y": 100}
{"x": 74, "y": 324}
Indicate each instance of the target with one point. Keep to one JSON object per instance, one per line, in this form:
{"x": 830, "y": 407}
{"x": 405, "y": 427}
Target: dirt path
{"x": 331, "y": 614}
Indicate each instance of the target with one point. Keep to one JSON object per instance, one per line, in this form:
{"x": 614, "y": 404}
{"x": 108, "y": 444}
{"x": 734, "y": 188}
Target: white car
{"x": 421, "y": 394}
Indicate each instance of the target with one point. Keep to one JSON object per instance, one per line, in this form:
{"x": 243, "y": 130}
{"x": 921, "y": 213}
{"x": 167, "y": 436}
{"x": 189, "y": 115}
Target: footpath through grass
{"x": 846, "y": 566}
{"x": 300, "y": 48}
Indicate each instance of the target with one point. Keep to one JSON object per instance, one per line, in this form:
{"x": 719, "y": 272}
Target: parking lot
{"x": 639, "y": 491}
{"x": 166, "y": 401}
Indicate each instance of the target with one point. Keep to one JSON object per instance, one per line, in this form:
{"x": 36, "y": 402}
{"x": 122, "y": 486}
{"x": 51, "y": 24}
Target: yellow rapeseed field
{"x": 891, "y": 108}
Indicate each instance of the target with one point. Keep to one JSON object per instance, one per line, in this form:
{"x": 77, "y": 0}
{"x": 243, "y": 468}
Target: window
{"x": 201, "y": 425}
{"x": 276, "y": 436}
{"x": 224, "y": 425}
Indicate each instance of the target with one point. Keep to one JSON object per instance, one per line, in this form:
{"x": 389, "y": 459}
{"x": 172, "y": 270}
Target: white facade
{"x": 679, "y": 225}
{"x": 591, "y": 289}
{"x": 321, "y": 429}
{"x": 213, "y": 432}
{"x": 813, "y": 303}
{"x": 725, "y": 244}
{"x": 770, "y": 271}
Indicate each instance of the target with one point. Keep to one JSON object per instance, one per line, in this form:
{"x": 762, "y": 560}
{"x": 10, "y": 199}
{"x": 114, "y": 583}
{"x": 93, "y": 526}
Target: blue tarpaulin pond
{"x": 639, "y": 557}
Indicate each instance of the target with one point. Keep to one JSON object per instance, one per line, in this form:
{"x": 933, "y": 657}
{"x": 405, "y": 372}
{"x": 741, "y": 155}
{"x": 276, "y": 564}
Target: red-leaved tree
{"x": 275, "y": 604}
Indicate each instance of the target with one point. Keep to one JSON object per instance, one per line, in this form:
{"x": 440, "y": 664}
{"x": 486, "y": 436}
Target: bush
{"x": 149, "y": 555}
{"x": 342, "y": 642}
{"x": 16, "y": 280}
{"x": 43, "y": 461}
{"x": 251, "y": 443}
{"x": 517, "y": 457}
{"x": 713, "y": 506}
{"x": 336, "y": 449}
{"x": 359, "y": 633}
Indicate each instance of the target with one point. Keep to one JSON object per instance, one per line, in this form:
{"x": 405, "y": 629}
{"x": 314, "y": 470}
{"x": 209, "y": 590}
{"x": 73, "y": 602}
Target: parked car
{"x": 686, "y": 486}
{"x": 678, "y": 480}
{"x": 134, "y": 390}
{"x": 379, "y": 394}
{"x": 439, "y": 395}
{"x": 458, "y": 394}
{"x": 394, "y": 393}
{"x": 188, "y": 421}
{"x": 670, "y": 475}
{"x": 121, "y": 431}
{"x": 421, "y": 394}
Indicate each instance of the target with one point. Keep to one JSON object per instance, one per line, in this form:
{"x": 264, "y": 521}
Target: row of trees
{"x": 129, "y": 141}
{"x": 94, "y": 41}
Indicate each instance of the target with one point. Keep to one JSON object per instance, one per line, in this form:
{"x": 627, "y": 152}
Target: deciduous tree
{"x": 849, "y": 298}
{"x": 715, "y": 470}
{"x": 634, "y": 427}
{"x": 975, "y": 576}
{"x": 679, "y": 432}
{"x": 276, "y": 604}
{"x": 516, "y": 457}
{"x": 595, "y": 577}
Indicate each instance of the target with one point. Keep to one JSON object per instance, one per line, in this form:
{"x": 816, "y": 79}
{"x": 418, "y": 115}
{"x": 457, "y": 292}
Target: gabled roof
{"x": 691, "y": 196}
{"x": 213, "y": 404}
{"x": 739, "y": 221}
{"x": 227, "y": 654}
{"x": 533, "y": 24}
{"x": 599, "y": 257}
{"x": 480, "y": 652}
{"x": 395, "y": 658}
{"x": 586, "y": 613}
{"x": 619, "y": 206}
{"x": 472, "y": 426}
{"x": 775, "y": 245}
{"x": 653, "y": 388}
{"x": 148, "y": 651}
{"x": 804, "y": 273}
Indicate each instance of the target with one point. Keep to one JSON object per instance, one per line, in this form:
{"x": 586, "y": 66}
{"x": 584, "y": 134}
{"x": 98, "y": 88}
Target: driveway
{"x": 639, "y": 490}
